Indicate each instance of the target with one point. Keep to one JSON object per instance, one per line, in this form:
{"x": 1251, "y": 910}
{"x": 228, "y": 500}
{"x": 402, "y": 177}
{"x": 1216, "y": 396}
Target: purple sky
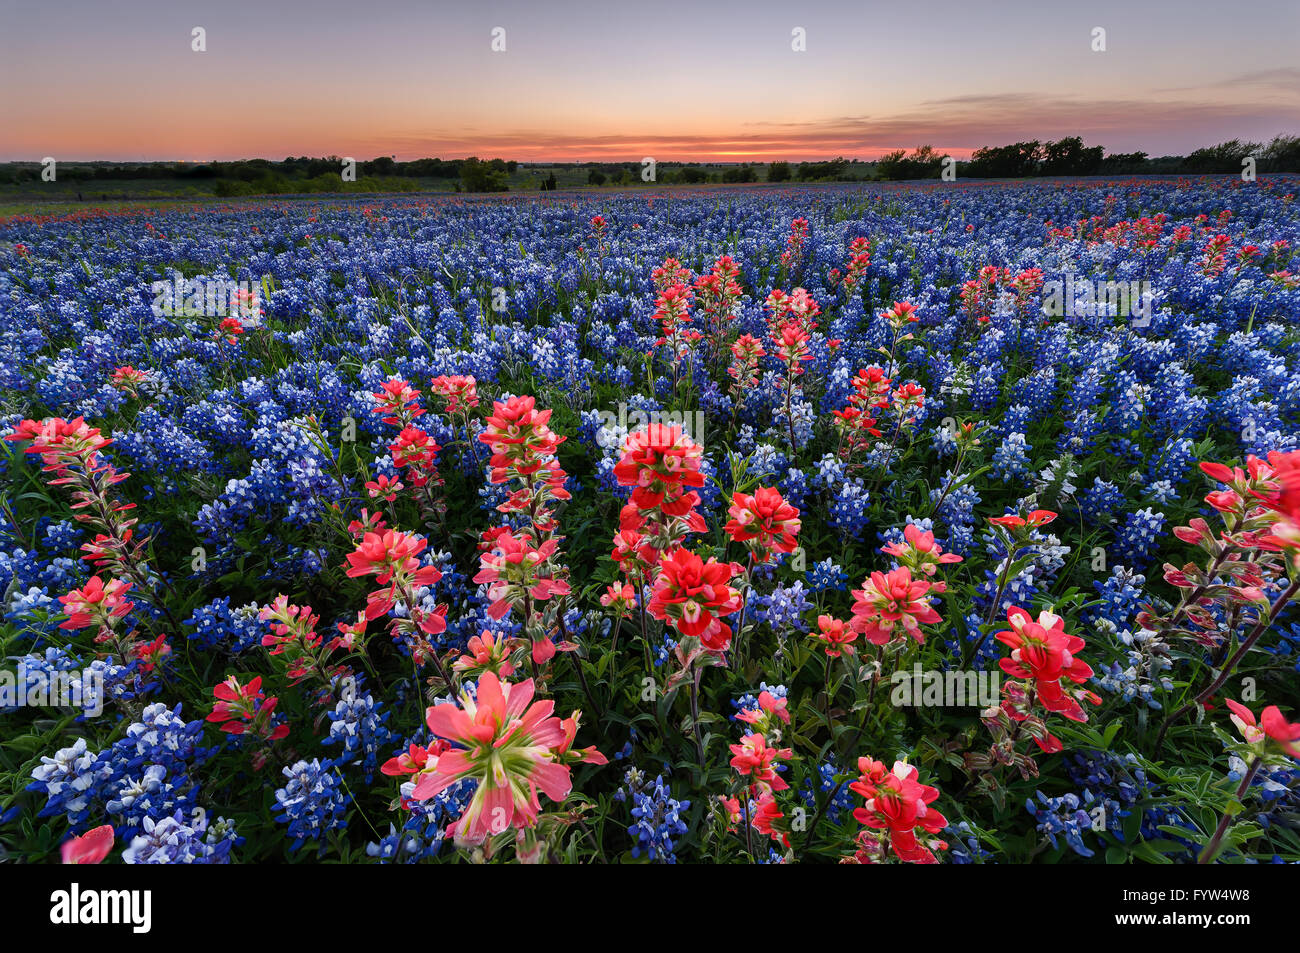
{"x": 674, "y": 79}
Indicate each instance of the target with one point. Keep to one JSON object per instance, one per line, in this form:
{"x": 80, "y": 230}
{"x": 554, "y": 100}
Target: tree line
{"x": 1069, "y": 156}
{"x": 1063, "y": 157}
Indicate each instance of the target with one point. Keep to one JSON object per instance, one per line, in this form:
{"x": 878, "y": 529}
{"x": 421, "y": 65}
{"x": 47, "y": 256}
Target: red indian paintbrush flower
{"x": 244, "y": 709}
{"x": 693, "y": 595}
{"x": 1272, "y": 726}
{"x": 517, "y": 570}
{"x": 836, "y": 635}
{"x": 661, "y": 463}
{"x": 746, "y": 351}
{"x": 890, "y": 602}
{"x": 486, "y": 652}
{"x": 96, "y": 604}
{"x": 921, "y": 554}
{"x": 128, "y": 379}
{"x": 391, "y": 557}
{"x": 903, "y": 312}
{"x": 398, "y": 401}
{"x": 756, "y": 759}
{"x": 1017, "y": 523}
{"x": 60, "y": 442}
{"x": 897, "y": 805}
{"x": 765, "y": 522}
{"x": 1043, "y": 651}
{"x": 90, "y": 848}
{"x": 519, "y": 438}
{"x": 514, "y": 750}
{"x": 769, "y": 819}
{"x": 620, "y": 599}
{"x": 458, "y": 390}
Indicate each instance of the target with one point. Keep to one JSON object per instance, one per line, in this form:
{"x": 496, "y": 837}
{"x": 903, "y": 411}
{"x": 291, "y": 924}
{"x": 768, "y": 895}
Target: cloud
{"x": 957, "y": 124}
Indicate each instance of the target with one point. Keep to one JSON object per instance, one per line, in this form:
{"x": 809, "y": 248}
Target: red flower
{"x": 1271, "y": 725}
{"x": 1043, "y": 651}
{"x": 149, "y": 654}
{"x": 754, "y": 758}
{"x": 767, "y": 819}
{"x": 385, "y": 487}
{"x": 518, "y": 436}
{"x": 399, "y": 401}
{"x": 384, "y": 554}
{"x": 413, "y": 760}
{"x": 920, "y": 553}
{"x": 486, "y": 652}
{"x": 416, "y": 449}
{"x": 127, "y": 379}
{"x": 95, "y": 604}
{"x": 660, "y": 462}
{"x": 836, "y": 635}
{"x": 1016, "y": 523}
{"x": 517, "y": 570}
{"x": 90, "y": 848}
{"x": 460, "y": 391}
{"x": 791, "y": 341}
{"x": 888, "y": 601}
{"x": 693, "y": 595}
{"x": 61, "y": 441}
{"x": 619, "y": 599}
{"x": 903, "y": 312}
{"x": 229, "y": 330}
{"x": 898, "y": 805}
{"x": 1285, "y": 476}
{"x": 765, "y": 522}
{"x": 241, "y": 709}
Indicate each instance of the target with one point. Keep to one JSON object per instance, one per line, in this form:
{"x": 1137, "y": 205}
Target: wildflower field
{"x": 918, "y": 524}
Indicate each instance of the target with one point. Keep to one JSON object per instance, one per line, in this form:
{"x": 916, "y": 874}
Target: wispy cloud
{"x": 957, "y": 124}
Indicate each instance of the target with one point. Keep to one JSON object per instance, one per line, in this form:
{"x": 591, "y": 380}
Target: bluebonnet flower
{"x": 825, "y": 575}
{"x": 313, "y": 803}
{"x": 357, "y": 724}
{"x": 964, "y": 845}
{"x": 1138, "y": 536}
{"x": 656, "y": 817}
{"x": 1066, "y": 816}
{"x": 216, "y": 625}
{"x": 175, "y": 840}
{"x": 71, "y": 781}
{"x": 840, "y": 805}
{"x": 784, "y": 608}
{"x": 1011, "y": 459}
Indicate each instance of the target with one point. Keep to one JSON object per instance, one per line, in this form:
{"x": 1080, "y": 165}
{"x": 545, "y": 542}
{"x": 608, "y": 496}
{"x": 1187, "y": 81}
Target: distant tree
{"x": 479, "y": 176}
{"x": 1070, "y": 157}
{"x": 778, "y": 172}
{"x": 1282, "y": 155}
{"x": 1016, "y": 161}
{"x": 736, "y": 174}
{"x": 1225, "y": 157}
{"x": 923, "y": 163}
{"x": 1124, "y": 163}
{"x": 832, "y": 171}
{"x": 595, "y": 177}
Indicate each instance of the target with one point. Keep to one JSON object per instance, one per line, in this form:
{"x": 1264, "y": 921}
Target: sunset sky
{"x": 673, "y": 79}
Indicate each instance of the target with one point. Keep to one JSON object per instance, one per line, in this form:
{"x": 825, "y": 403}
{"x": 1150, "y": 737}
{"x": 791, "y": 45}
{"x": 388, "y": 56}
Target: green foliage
{"x": 923, "y": 163}
{"x": 778, "y": 172}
